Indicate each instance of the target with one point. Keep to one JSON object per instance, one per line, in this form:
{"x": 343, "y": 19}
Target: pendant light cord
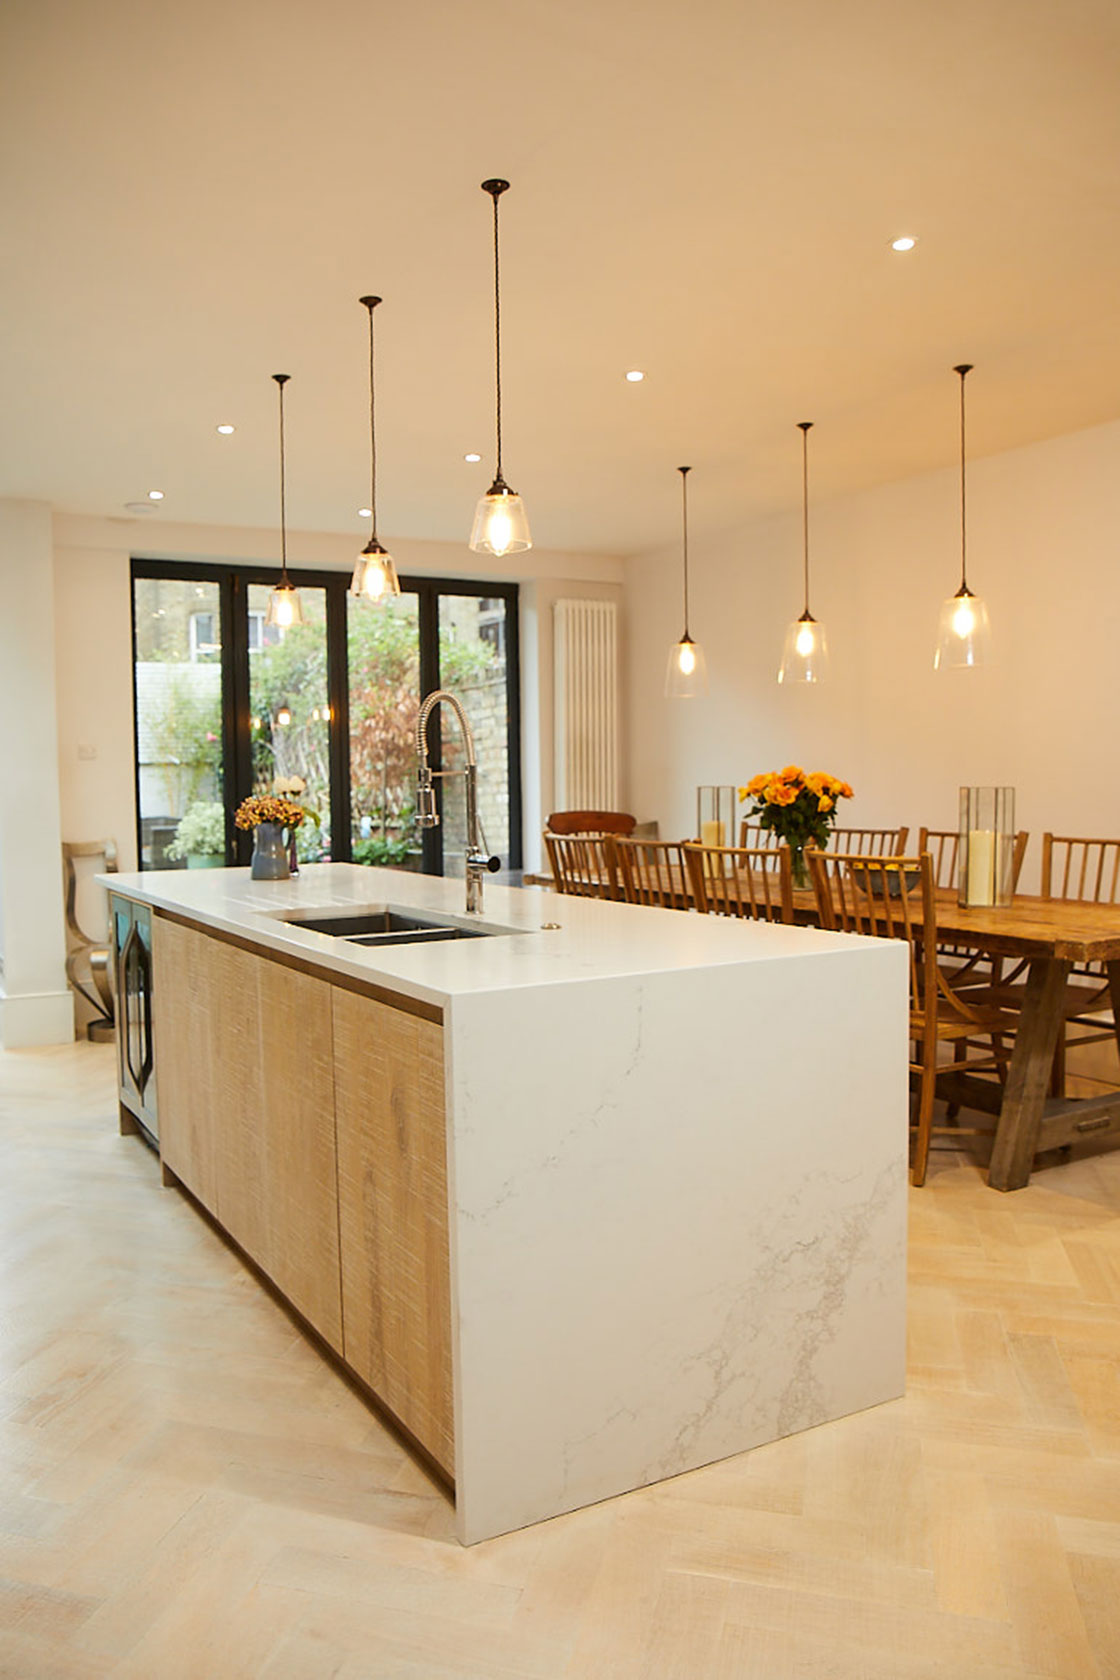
{"x": 684, "y": 472}
{"x": 281, "y": 380}
{"x": 804, "y": 426}
{"x": 371, "y": 304}
{"x": 963, "y": 369}
{"x": 496, "y": 188}
{"x": 497, "y": 342}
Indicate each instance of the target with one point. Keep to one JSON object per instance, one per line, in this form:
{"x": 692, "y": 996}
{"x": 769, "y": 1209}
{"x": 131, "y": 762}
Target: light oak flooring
{"x": 188, "y": 1492}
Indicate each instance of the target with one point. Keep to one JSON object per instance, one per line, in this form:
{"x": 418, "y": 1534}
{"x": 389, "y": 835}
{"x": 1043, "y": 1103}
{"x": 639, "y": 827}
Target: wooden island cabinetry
{"x": 308, "y": 1120}
{"x": 580, "y": 1198}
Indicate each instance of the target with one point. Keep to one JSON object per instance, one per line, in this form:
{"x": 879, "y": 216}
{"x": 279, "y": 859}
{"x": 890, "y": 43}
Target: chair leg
{"x": 953, "y": 1109}
{"x": 926, "y": 1087}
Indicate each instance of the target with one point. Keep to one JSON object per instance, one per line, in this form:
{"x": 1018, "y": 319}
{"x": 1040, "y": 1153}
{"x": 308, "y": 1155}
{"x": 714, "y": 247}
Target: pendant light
{"x": 686, "y": 675}
{"x": 284, "y": 608}
{"x": 805, "y": 652}
{"x": 500, "y": 522}
{"x": 963, "y": 632}
{"x": 375, "y": 576}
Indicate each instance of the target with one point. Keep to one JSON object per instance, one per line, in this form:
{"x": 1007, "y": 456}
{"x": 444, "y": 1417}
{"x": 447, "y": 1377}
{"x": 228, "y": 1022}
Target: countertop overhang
{"x": 552, "y": 939}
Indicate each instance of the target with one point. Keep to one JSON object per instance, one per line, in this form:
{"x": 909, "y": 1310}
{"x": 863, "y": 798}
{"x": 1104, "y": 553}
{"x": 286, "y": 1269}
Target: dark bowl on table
{"x": 898, "y": 880}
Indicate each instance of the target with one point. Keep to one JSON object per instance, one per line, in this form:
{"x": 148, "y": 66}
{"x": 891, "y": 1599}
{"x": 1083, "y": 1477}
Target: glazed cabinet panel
{"x": 131, "y": 925}
{"x": 392, "y": 1184}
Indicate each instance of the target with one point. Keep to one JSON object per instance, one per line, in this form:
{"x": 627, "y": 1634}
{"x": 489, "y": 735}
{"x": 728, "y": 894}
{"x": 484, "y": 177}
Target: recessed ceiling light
{"x": 155, "y": 495}
{"x": 472, "y": 456}
{"x": 225, "y": 430}
{"x": 903, "y": 244}
{"x": 365, "y": 513}
{"x": 139, "y": 507}
{"x": 635, "y": 376}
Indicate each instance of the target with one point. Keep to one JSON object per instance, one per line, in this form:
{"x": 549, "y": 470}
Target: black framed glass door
{"x": 225, "y": 704}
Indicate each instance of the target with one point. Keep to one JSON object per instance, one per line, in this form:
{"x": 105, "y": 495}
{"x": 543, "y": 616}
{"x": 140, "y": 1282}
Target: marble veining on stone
{"x": 676, "y": 1151}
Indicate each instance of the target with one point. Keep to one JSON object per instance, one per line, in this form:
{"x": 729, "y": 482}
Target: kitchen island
{"x": 601, "y": 1196}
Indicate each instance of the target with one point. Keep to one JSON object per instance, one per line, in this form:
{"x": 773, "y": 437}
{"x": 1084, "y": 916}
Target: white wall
{"x": 1044, "y": 536}
{"x": 35, "y": 1003}
{"x": 94, "y": 646}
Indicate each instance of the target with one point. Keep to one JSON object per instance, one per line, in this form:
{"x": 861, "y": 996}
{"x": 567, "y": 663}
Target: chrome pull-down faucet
{"x": 479, "y": 861}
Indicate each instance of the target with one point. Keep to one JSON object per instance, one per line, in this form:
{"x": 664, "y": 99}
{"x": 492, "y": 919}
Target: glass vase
{"x": 715, "y": 816}
{"x": 798, "y": 868}
{"x": 985, "y": 854}
{"x": 270, "y": 854}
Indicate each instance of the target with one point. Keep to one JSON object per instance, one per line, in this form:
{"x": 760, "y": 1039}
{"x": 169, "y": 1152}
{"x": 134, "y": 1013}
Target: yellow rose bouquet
{"x": 799, "y": 808}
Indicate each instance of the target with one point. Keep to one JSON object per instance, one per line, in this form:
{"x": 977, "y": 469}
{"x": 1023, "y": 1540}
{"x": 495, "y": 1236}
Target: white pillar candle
{"x": 712, "y": 834}
{"x": 981, "y": 866}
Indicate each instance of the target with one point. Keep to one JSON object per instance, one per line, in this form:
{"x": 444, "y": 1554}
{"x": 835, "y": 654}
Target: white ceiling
{"x": 196, "y": 193}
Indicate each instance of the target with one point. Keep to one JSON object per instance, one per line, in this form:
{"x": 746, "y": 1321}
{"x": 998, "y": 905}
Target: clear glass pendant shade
{"x": 805, "y": 652}
{"x": 686, "y": 675}
{"x": 501, "y": 525}
{"x": 284, "y": 607}
{"x": 963, "y": 632}
{"x": 375, "y": 576}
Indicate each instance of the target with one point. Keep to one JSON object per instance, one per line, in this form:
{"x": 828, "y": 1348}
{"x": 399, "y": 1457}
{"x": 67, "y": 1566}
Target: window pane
{"x": 383, "y": 649}
{"x": 472, "y": 663}
{"x": 179, "y": 723}
{"x": 290, "y": 711}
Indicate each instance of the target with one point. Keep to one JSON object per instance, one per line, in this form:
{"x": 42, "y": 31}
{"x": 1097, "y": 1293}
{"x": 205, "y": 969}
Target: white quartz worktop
{"x": 676, "y": 1152}
{"x": 592, "y": 938}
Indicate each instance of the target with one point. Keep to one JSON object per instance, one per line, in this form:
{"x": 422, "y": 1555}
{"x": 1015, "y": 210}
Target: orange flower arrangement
{"x": 268, "y": 808}
{"x": 798, "y": 808}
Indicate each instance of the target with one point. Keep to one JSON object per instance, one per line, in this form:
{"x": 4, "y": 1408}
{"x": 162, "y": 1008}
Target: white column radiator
{"x": 585, "y": 647}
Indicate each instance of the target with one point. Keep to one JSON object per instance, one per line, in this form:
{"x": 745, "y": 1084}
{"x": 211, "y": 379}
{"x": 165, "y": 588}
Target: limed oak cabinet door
{"x": 392, "y": 1185}
{"x": 183, "y": 1027}
{"x": 246, "y": 1075}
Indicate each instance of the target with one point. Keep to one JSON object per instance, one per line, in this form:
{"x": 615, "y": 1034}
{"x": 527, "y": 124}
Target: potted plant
{"x": 201, "y": 836}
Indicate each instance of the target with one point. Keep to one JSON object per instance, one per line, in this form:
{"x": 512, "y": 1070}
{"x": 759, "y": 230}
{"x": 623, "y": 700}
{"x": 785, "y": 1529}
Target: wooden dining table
{"x": 1052, "y": 936}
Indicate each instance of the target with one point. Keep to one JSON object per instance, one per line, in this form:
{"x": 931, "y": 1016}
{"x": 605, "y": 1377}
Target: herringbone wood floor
{"x": 187, "y": 1492}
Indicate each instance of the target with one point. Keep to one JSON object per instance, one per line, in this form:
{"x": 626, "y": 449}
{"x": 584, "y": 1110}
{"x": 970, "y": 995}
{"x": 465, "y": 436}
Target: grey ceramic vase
{"x": 270, "y": 855}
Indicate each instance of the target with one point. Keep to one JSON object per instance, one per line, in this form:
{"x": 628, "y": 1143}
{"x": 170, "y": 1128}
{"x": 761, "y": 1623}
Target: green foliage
{"x": 384, "y": 703}
{"x": 185, "y": 739}
{"x": 201, "y": 832}
{"x": 380, "y": 850}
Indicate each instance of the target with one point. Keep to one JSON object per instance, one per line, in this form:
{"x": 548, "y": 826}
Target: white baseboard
{"x": 36, "y": 1018}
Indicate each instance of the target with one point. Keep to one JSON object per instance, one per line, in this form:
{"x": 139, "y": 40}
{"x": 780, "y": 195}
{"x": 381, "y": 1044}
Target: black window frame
{"x": 233, "y": 580}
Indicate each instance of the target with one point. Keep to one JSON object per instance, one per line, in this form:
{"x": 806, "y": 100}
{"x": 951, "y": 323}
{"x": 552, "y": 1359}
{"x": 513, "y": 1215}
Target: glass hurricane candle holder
{"x": 987, "y": 843}
{"x": 715, "y": 816}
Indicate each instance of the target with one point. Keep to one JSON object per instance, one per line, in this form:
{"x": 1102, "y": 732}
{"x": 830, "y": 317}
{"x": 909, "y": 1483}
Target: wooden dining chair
{"x": 969, "y": 967}
{"x": 583, "y": 865}
{"x": 754, "y": 835}
{"x": 943, "y": 846}
{"x": 979, "y": 975}
{"x": 1088, "y": 871}
{"x": 869, "y": 842}
{"x": 893, "y": 898}
{"x": 591, "y": 822}
{"x": 654, "y": 872}
{"x": 754, "y": 882}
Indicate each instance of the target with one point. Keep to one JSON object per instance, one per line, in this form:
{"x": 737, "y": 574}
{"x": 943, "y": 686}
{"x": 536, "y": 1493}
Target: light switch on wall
{"x": 86, "y": 750}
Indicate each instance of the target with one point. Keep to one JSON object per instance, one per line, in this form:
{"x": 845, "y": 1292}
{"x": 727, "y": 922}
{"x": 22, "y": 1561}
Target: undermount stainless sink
{"x": 386, "y": 927}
